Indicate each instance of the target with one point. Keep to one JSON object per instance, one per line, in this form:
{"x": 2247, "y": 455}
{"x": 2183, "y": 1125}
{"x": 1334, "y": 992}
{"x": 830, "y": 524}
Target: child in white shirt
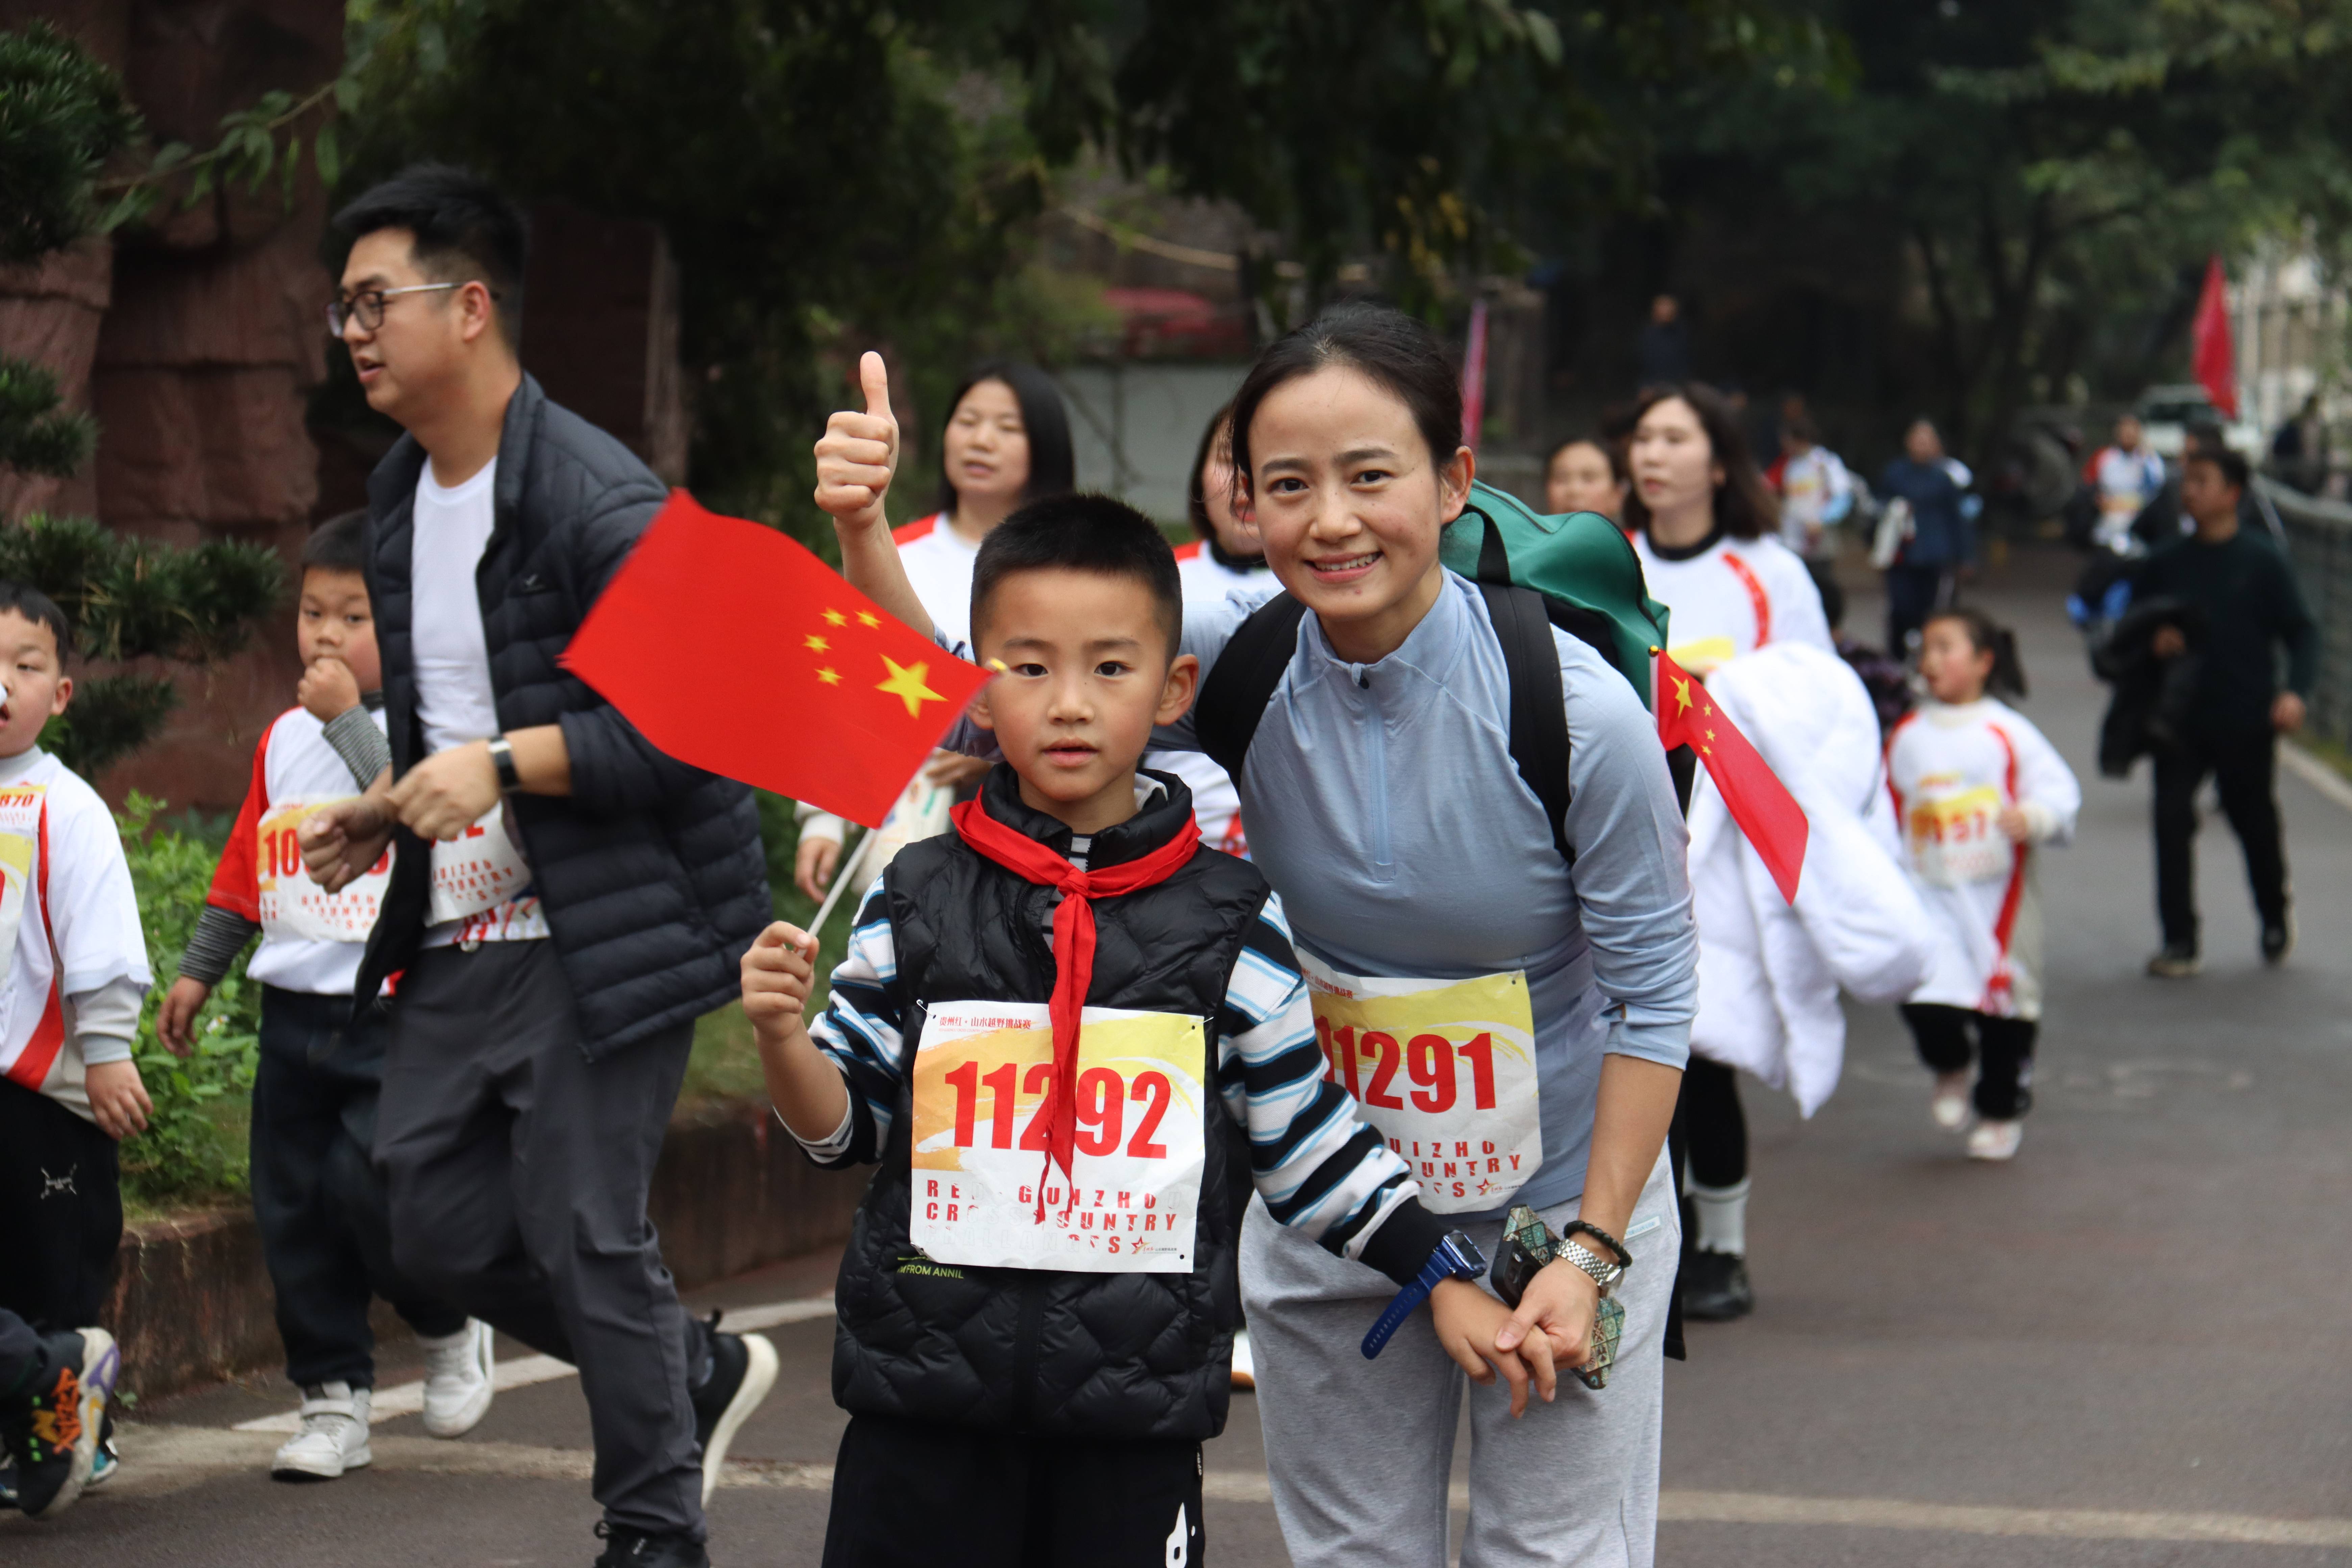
{"x": 1978, "y": 790}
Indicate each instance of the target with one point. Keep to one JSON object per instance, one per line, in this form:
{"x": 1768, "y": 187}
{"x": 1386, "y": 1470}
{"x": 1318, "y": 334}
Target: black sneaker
{"x": 734, "y": 1374}
{"x": 1716, "y": 1287}
{"x": 626, "y": 1548}
{"x": 2278, "y": 941}
{"x": 52, "y": 1427}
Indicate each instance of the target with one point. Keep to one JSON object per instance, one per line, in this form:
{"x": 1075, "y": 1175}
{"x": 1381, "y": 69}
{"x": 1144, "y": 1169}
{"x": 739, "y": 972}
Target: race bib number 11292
{"x": 983, "y": 1092}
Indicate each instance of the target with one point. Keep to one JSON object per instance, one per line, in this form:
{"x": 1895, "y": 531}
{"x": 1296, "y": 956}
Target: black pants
{"x": 1913, "y": 593}
{"x": 519, "y": 1171}
{"x": 320, "y": 1205}
{"x": 2244, "y": 769}
{"x": 20, "y": 1353}
{"x": 1713, "y": 1123}
{"x": 2003, "y": 1051}
{"x": 60, "y": 1212}
{"x": 903, "y": 1489}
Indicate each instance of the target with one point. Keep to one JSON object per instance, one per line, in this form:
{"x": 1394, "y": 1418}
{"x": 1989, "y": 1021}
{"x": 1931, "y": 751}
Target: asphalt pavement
{"x": 2127, "y": 1347}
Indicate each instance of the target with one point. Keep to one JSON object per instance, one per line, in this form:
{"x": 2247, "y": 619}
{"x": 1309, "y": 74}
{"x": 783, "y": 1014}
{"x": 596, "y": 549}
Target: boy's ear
{"x": 1176, "y": 694}
{"x": 64, "y": 696}
{"x": 978, "y": 709}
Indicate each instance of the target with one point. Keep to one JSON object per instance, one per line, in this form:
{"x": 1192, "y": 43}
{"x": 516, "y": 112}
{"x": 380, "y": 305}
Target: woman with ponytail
{"x": 1981, "y": 792}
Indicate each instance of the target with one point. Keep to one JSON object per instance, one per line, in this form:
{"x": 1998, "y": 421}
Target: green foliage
{"x": 36, "y": 434}
{"x": 62, "y": 115}
{"x": 192, "y": 1147}
{"x": 131, "y": 599}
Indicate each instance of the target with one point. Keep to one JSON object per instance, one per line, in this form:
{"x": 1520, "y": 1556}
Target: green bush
{"x": 194, "y": 1147}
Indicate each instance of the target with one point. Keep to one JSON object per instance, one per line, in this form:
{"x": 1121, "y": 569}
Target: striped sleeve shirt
{"x": 1321, "y": 1169}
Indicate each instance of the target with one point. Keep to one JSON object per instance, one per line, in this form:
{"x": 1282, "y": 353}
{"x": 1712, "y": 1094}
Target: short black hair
{"x": 40, "y": 609}
{"x": 1045, "y": 419}
{"x": 338, "y": 545}
{"x": 1394, "y": 352}
{"x": 1083, "y": 533}
{"x": 2235, "y": 471}
{"x": 464, "y": 229}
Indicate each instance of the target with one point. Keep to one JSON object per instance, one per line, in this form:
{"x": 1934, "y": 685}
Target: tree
{"x": 62, "y": 116}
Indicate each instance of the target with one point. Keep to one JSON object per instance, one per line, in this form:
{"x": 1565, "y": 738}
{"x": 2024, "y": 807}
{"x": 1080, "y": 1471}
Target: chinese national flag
{"x": 733, "y": 648}
{"x": 1758, "y": 800}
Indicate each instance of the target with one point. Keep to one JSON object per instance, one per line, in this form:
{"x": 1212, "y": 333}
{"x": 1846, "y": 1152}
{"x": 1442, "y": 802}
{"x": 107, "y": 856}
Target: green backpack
{"x": 1576, "y": 573}
{"x": 1584, "y": 568}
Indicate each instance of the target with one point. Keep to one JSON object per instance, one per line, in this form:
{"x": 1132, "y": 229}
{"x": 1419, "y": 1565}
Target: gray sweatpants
{"x": 1360, "y": 1451}
{"x": 518, "y": 1172}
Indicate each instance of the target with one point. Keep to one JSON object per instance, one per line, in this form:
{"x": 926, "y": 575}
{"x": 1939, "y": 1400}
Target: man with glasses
{"x": 565, "y": 900}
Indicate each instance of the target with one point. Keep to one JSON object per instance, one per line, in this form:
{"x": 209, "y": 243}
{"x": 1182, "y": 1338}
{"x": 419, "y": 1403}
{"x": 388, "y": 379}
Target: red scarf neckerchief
{"x": 1073, "y": 944}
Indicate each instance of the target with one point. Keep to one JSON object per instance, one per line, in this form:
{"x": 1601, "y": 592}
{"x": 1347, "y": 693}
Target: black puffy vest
{"x": 1016, "y": 1350}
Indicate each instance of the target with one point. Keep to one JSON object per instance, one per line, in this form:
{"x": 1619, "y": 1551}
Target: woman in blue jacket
{"x": 1943, "y": 537}
{"x": 1515, "y": 1026}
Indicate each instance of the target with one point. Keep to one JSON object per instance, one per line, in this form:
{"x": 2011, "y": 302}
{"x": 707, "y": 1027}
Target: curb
{"x": 191, "y": 1302}
{"x": 2316, "y": 773}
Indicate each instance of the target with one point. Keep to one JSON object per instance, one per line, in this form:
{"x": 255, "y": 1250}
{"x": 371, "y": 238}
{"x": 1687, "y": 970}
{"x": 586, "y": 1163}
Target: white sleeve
{"x": 2046, "y": 786}
{"x": 1797, "y": 613}
{"x": 94, "y": 908}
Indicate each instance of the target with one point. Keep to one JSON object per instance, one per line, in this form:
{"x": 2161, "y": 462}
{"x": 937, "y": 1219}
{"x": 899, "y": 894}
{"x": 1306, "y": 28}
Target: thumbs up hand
{"x": 859, "y": 453}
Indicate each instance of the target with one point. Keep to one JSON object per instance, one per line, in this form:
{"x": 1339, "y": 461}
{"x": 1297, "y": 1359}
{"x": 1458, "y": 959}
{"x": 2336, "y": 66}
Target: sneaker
{"x": 457, "y": 1380}
{"x": 743, "y": 1370}
{"x": 1716, "y": 1287}
{"x": 626, "y": 1548}
{"x": 1996, "y": 1140}
{"x": 334, "y": 1436}
{"x": 1951, "y": 1105}
{"x": 108, "y": 1462}
{"x": 54, "y": 1432}
{"x": 1245, "y": 1365}
{"x": 2278, "y": 941}
{"x": 2174, "y": 963}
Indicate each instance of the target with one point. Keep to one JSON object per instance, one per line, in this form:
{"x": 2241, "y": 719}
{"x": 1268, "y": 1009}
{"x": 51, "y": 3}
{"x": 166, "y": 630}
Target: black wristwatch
{"x": 502, "y": 758}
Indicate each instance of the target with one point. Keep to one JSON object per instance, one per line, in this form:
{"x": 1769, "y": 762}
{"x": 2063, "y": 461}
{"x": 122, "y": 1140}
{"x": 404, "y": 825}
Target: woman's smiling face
{"x": 1349, "y": 502}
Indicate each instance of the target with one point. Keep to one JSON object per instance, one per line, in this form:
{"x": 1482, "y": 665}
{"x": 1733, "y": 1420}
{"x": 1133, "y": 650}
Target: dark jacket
{"x": 650, "y": 872}
{"x": 2155, "y": 701}
{"x": 1940, "y": 534}
{"x": 1019, "y": 1350}
{"x": 2254, "y": 610}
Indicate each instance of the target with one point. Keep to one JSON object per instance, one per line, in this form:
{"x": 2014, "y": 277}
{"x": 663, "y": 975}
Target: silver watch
{"x": 1605, "y": 1271}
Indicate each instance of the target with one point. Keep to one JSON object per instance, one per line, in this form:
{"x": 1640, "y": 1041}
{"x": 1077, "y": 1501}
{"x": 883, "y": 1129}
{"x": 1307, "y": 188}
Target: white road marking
{"x": 408, "y": 1398}
{"x": 2316, "y": 773}
{"x": 167, "y": 1458}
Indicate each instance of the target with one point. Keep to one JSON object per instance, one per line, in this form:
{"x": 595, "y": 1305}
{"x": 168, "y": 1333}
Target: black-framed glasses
{"x": 367, "y": 307}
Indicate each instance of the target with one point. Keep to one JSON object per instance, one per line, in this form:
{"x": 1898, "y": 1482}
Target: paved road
{"x": 2128, "y": 1347}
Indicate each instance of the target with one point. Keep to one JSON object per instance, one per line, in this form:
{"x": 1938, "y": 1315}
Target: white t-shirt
{"x": 1217, "y": 805}
{"x": 1732, "y": 598}
{"x": 938, "y": 563}
{"x": 456, "y": 702}
{"x": 69, "y": 922}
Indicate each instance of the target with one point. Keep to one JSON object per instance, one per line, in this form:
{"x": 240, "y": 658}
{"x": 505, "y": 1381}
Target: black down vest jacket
{"x": 1017, "y": 1350}
{"x": 650, "y": 872}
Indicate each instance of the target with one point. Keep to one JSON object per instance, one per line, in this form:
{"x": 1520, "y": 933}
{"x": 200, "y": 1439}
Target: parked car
{"x": 2166, "y": 412}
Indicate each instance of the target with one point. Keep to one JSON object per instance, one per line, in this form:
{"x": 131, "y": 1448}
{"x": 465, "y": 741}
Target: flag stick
{"x": 840, "y": 881}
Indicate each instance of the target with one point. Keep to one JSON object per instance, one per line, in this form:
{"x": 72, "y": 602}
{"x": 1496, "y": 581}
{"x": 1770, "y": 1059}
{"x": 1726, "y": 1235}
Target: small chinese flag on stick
{"x": 1758, "y": 800}
{"x": 733, "y": 648}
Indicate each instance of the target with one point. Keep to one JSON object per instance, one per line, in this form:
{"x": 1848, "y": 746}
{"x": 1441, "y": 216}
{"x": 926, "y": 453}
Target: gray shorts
{"x": 1360, "y": 1451}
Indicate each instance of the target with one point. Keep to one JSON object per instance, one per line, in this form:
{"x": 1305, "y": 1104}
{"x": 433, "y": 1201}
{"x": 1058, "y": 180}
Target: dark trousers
{"x": 902, "y": 1489}
{"x": 519, "y": 1172}
{"x": 1712, "y": 1123}
{"x": 2003, "y": 1051}
{"x": 20, "y": 1353}
{"x": 2244, "y": 769}
{"x": 1913, "y": 594}
{"x": 320, "y": 1205}
{"x": 60, "y": 1212}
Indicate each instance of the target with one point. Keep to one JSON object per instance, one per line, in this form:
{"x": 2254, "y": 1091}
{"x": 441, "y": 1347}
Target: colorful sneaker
{"x": 1951, "y": 1105}
{"x": 108, "y": 1462}
{"x": 54, "y": 1432}
{"x": 740, "y": 1369}
{"x": 1996, "y": 1140}
{"x": 458, "y": 1384}
{"x": 334, "y": 1436}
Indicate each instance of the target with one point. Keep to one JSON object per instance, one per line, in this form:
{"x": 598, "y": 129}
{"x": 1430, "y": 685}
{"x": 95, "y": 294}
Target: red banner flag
{"x": 1771, "y": 817}
{"x": 2215, "y": 360}
{"x": 733, "y": 648}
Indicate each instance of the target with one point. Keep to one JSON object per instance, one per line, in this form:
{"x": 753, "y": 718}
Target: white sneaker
{"x": 1996, "y": 1140}
{"x": 334, "y": 1436}
{"x": 458, "y": 1387}
{"x": 1950, "y": 1106}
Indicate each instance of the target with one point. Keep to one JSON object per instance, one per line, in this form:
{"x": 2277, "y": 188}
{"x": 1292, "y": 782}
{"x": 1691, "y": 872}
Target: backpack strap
{"x": 1243, "y": 681}
{"x": 1539, "y": 706}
